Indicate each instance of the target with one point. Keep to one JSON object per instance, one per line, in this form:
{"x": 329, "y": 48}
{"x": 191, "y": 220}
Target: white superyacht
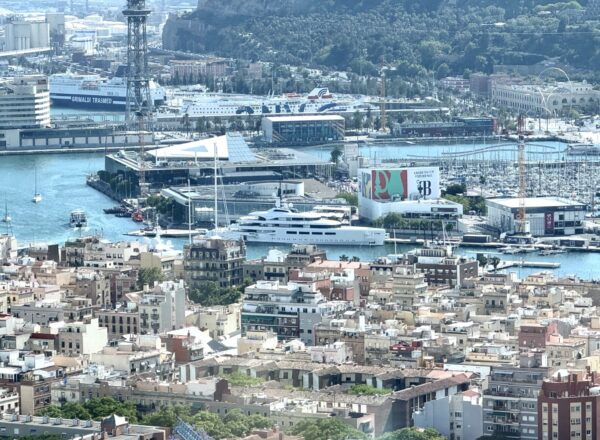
{"x": 284, "y": 224}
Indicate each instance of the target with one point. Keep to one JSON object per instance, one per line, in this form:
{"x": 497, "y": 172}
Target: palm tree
{"x": 344, "y": 257}
{"x": 355, "y": 259}
{"x": 336, "y": 155}
{"x": 185, "y": 122}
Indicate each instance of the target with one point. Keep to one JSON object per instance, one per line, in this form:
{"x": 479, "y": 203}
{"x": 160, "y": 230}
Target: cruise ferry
{"x": 318, "y": 101}
{"x": 95, "y": 92}
{"x": 283, "y": 224}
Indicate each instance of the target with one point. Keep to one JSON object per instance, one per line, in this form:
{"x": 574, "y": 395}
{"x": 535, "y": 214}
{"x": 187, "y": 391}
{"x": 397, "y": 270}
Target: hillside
{"x": 415, "y": 36}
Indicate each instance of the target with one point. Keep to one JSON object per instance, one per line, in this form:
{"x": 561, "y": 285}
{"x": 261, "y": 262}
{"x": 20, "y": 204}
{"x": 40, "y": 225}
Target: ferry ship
{"x": 95, "y": 92}
{"x": 319, "y": 100}
{"x": 283, "y": 224}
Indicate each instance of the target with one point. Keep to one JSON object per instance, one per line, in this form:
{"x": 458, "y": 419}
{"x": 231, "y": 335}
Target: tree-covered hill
{"x": 360, "y": 35}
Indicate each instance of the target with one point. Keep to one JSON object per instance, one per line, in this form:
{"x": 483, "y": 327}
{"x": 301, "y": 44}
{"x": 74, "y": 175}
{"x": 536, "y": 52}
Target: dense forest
{"x": 445, "y": 36}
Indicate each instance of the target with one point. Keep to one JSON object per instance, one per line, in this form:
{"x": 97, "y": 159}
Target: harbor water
{"x": 61, "y": 182}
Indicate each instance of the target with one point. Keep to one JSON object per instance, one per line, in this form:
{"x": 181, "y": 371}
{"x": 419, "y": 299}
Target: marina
{"x": 62, "y": 180}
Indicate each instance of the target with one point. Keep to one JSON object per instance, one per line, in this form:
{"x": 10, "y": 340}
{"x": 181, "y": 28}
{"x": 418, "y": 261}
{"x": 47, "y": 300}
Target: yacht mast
{"x": 216, "y": 208}
{"x": 189, "y": 212}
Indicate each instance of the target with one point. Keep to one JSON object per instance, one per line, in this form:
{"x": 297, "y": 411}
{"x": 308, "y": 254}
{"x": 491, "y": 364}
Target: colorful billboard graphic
{"x": 400, "y": 184}
{"x": 366, "y": 187}
{"x": 389, "y": 184}
{"x": 549, "y": 221}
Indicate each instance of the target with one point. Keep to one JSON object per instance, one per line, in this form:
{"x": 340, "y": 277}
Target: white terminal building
{"x": 546, "y": 215}
{"x": 412, "y": 192}
{"x": 24, "y": 103}
{"x": 544, "y": 98}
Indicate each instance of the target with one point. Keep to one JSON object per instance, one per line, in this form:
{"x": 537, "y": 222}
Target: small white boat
{"x": 78, "y": 219}
{"x": 6, "y": 218}
{"x": 37, "y": 197}
{"x": 552, "y": 252}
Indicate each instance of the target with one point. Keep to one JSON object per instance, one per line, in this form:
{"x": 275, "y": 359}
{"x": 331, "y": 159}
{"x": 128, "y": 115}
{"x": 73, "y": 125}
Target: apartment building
{"x": 82, "y": 338}
{"x": 510, "y": 403}
{"x": 291, "y": 311}
{"x": 216, "y": 260}
{"x": 569, "y": 407}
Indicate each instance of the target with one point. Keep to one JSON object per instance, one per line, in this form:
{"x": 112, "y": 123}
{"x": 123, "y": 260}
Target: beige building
{"x": 542, "y": 99}
{"x": 256, "y": 341}
{"x": 218, "y": 320}
{"x": 82, "y": 338}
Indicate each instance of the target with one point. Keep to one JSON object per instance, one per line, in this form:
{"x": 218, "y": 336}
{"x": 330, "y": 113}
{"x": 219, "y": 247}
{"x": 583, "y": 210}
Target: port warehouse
{"x": 546, "y": 215}
{"x": 304, "y": 129}
{"x": 456, "y": 127}
{"x": 70, "y": 138}
{"x": 237, "y": 163}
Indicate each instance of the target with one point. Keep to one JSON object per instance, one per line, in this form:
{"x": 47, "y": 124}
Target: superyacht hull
{"x": 341, "y": 237}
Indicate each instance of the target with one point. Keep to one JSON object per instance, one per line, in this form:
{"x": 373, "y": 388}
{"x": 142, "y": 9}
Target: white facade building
{"x": 544, "y": 99}
{"x": 546, "y": 216}
{"x": 411, "y": 192}
{"x": 24, "y": 103}
{"x": 163, "y": 309}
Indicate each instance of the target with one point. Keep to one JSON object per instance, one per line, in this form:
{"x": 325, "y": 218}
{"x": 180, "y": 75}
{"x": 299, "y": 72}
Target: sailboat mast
{"x": 216, "y": 208}
{"x": 189, "y": 212}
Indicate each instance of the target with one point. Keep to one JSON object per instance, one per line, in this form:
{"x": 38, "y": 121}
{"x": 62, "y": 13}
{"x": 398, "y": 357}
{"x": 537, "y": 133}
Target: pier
{"x": 509, "y": 264}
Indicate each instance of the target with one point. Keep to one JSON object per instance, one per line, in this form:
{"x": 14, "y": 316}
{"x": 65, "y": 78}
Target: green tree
{"x": 240, "y": 379}
{"x": 367, "y": 390}
{"x": 100, "y": 408}
{"x": 50, "y": 411}
{"x": 167, "y": 416}
{"x": 97, "y": 409}
{"x": 495, "y": 262}
{"x": 459, "y": 199}
{"x": 357, "y": 120}
{"x": 329, "y": 428}
{"x": 412, "y": 434}
{"x": 456, "y": 189}
{"x": 209, "y": 293}
{"x": 336, "y": 154}
{"x": 75, "y": 410}
{"x": 351, "y": 198}
{"x": 150, "y": 275}
{"x": 234, "y": 424}
{"x": 344, "y": 257}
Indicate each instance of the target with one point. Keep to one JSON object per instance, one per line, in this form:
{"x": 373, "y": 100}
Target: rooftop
{"x": 536, "y": 202}
{"x": 231, "y": 147}
{"x": 303, "y": 118}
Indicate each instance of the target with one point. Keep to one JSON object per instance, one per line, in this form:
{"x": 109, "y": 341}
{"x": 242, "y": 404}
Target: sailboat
{"x": 37, "y": 197}
{"x": 6, "y": 218}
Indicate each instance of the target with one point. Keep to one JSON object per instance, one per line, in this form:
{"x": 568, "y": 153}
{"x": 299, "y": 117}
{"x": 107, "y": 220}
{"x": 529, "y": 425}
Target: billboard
{"x": 400, "y": 183}
{"x": 549, "y": 221}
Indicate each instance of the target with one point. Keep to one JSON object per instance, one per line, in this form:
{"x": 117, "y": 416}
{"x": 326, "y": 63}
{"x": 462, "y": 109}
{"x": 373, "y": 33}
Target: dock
{"x": 509, "y": 264}
{"x": 166, "y": 233}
